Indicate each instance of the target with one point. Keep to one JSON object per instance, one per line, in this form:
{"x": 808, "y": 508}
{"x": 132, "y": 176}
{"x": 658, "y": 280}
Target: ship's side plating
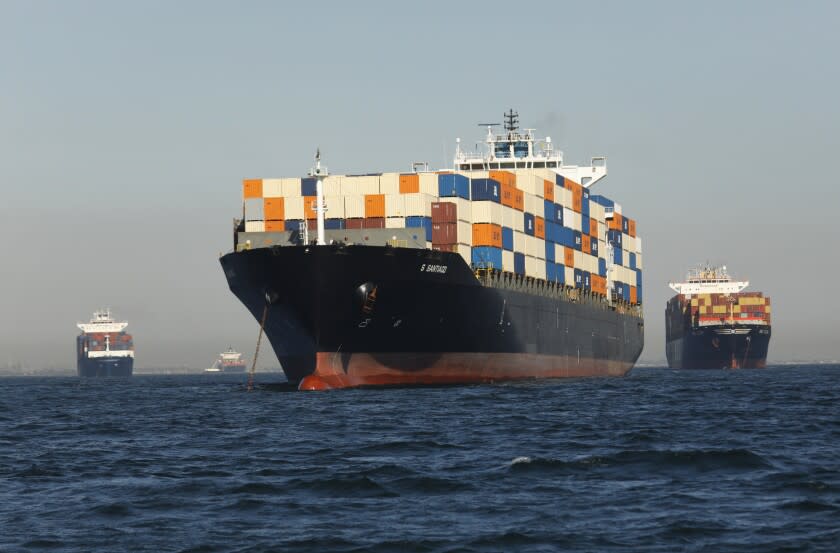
{"x": 360, "y": 315}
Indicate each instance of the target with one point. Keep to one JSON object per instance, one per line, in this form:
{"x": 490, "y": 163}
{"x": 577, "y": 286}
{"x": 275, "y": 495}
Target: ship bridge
{"x": 520, "y": 149}
{"x": 102, "y": 322}
{"x": 708, "y": 280}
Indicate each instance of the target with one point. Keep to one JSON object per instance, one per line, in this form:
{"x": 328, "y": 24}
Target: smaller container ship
{"x": 103, "y": 348}
{"x": 229, "y": 361}
{"x": 712, "y": 324}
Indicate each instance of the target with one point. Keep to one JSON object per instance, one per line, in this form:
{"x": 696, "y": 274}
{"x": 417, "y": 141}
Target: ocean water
{"x": 660, "y": 460}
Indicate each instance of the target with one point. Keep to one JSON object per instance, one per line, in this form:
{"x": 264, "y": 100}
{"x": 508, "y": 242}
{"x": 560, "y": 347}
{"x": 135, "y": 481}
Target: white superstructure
{"x": 102, "y": 322}
{"x": 521, "y": 150}
{"x": 708, "y": 280}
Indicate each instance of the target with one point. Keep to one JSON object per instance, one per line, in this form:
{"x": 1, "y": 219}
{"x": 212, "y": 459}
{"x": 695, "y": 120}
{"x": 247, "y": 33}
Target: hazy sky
{"x": 126, "y": 128}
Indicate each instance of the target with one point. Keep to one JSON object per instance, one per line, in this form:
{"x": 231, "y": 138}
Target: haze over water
{"x": 127, "y": 129}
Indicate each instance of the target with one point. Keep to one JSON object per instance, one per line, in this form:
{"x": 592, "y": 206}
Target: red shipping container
{"x": 374, "y": 222}
{"x": 445, "y": 247}
{"x": 354, "y": 223}
{"x": 444, "y": 212}
{"x": 444, "y": 233}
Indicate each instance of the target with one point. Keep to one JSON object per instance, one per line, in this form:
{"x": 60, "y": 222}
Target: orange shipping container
{"x": 309, "y": 207}
{"x": 631, "y": 227}
{"x": 374, "y": 205}
{"x": 571, "y": 185}
{"x": 504, "y": 177}
{"x": 615, "y": 222}
{"x": 584, "y": 243}
{"x": 275, "y": 226}
{"x": 548, "y": 190}
{"x": 539, "y": 227}
{"x": 273, "y": 209}
{"x": 569, "y": 257}
{"x": 633, "y": 296}
{"x": 487, "y": 234}
{"x": 409, "y": 184}
{"x": 519, "y": 200}
{"x": 599, "y": 284}
{"x": 252, "y": 188}
{"x": 593, "y": 228}
{"x": 508, "y": 194}
{"x": 577, "y": 199}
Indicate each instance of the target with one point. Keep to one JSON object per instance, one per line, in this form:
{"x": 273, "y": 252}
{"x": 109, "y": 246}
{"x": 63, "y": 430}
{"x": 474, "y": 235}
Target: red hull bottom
{"x": 363, "y": 369}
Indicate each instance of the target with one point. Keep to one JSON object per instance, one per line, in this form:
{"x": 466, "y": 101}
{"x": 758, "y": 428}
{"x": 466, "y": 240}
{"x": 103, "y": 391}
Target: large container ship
{"x": 503, "y": 267}
{"x": 104, "y": 348}
{"x": 712, "y": 324}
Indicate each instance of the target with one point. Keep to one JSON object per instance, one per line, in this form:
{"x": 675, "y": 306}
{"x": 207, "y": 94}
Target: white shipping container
{"x": 519, "y": 244}
{"x": 290, "y": 188}
{"x": 639, "y": 261}
{"x": 394, "y": 222}
{"x": 570, "y": 276}
{"x": 559, "y": 253}
{"x": 564, "y": 197}
{"x": 596, "y": 211}
{"x": 602, "y": 232}
{"x": 465, "y": 251}
{"x": 389, "y": 183}
{"x": 568, "y": 218}
{"x": 429, "y": 184}
{"x": 513, "y": 219}
{"x": 578, "y": 218}
{"x": 531, "y": 204}
{"x": 254, "y": 226}
{"x": 465, "y": 233}
{"x": 617, "y": 208}
{"x": 531, "y": 266}
{"x": 335, "y": 207}
{"x": 580, "y": 263}
{"x": 394, "y": 205}
{"x": 507, "y": 261}
{"x": 487, "y": 212}
{"x": 293, "y": 207}
{"x": 354, "y": 206}
{"x": 418, "y": 205}
{"x": 332, "y": 186}
{"x": 271, "y": 188}
{"x": 254, "y": 209}
{"x": 638, "y": 245}
{"x": 628, "y": 243}
{"x": 539, "y": 269}
{"x": 527, "y": 182}
{"x": 535, "y": 247}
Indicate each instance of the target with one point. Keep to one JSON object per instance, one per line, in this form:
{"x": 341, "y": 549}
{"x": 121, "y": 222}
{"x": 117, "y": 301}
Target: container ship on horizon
{"x": 712, "y": 324}
{"x": 104, "y": 349}
{"x": 504, "y": 267}
{"x": 229, "y": 361}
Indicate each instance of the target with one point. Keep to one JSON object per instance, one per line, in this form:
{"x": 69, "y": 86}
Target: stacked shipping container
{"x": 533, "y": 223}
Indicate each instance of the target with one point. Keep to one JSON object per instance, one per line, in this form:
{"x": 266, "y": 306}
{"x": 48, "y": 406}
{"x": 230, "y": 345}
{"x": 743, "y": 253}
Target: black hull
{"x": 105, "y": 368}
{"x": 365, "y": 315}
{"x": 717, "y": 347}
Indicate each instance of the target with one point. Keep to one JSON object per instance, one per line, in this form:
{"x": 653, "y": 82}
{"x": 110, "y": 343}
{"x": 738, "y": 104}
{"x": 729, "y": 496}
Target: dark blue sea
{"x": 660, "y": 460}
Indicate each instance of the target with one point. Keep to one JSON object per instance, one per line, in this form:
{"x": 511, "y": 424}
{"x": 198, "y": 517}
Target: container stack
{"x": 740, "y": 308}
{"x": 534, "y": 223}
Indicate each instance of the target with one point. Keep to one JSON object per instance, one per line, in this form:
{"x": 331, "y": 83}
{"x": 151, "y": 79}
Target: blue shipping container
{"x": 529, "y": 224}
{"x": 618, "y": 258}
{"x": 578, "y": 278}
{"x": 451, "y": 185}
{"x": 550, "y": 271}
{"x": 602, "y": 267}
{"x": 632, "y": 260}
{"x": 486, "y": 257}
{"x": 639, "y": 279}
{"x": 584, "y": 207}
{"x": 639, "y": 293}
{"x": 519, "y": 263}
{"x": 507, "y": 239}
{"x": 566, "y": 237}
{"x": 593, "y": 247}
{"x": 625, "y": 225}
{"x": 486, "y": 190}
{"x": 601, "y": 200}
{"x": 578, "y": 241}
{"x": 293, "y": 224}
{"x": 308, "y": 186}
{"x": 585, "y": 193}
{"x": 561, "y": 273}
{"x": 625, "y": 291}
{"x": 420, "y": 222}
{"x": 584, "y": 224}
{"x": 550, "y": 232}
{"x": 558, "y": 214}
{"x": 549, "y": 210}
{"x": 549, "y": 251}
{"x": 561, "y": 182}
{"x": 614, "y": 237}
{"x": 333, "y": 224}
